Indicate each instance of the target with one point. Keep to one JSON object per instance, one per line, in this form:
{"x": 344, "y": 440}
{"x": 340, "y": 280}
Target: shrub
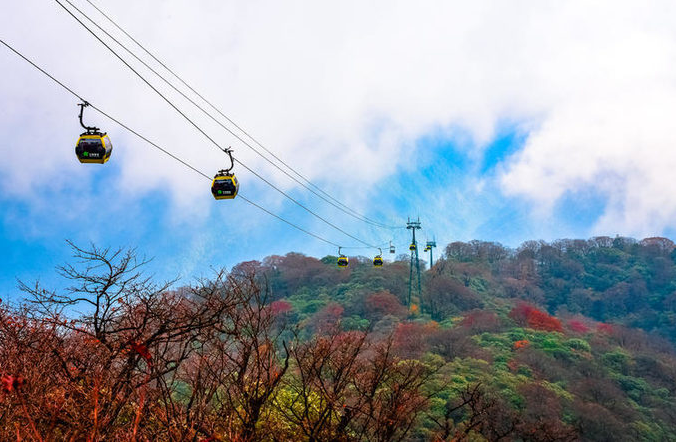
{"x": 529, "y": 316}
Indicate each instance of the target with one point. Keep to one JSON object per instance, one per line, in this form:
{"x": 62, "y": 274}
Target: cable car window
{"x": 90, "y": 142}
{"x": 224, "y": 184}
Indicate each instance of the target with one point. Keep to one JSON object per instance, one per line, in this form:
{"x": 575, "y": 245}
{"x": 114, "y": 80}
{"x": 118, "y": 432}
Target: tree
{"x": 132, "y": 335}
{"x": 207, "y": 362}
{"x": 529, "y": 316}
{"x": 383, "y": 303}
{"x": 121, "y": 369}
{"x": 347, "y": 388}
{"x": 446, "y": 296}
{"x": 540, "y": 418}
{"x": 475, "y": 410}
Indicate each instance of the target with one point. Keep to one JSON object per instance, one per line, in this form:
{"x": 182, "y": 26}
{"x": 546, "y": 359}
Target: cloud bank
{"x": 353, "y": 86}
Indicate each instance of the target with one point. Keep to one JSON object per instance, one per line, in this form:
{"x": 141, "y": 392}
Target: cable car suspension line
{"x": 155, "y": 145}
{"x": 366, "y": 219}
{"x": 335, "y": 203}
{"x": 205, "y": 134}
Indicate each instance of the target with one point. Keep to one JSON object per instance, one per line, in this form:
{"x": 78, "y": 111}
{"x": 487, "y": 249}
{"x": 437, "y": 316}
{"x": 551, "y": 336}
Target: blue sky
{"x": 487, "y": 121}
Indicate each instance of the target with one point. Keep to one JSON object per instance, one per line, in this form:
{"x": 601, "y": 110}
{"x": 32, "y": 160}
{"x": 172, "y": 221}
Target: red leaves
{"x": 604, "y": 328}
{"x": 327, "y": 318}
{"x": 10, "y": 382}
{"x": 481, "y": 321}
{"x": 334, "y": 309}
{"x": 281, "y": 307}
{"x": 577, "y": 326}
{"x": 529, "y": 316}
{"x": 542, "y": 321}
{"x": 141, "y": 349}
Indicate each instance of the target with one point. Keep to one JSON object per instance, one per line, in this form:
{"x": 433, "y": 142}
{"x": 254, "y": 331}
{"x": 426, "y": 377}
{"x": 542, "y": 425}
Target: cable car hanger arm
{"x": 89, "y": 129}
{"x": 232, "y": 160}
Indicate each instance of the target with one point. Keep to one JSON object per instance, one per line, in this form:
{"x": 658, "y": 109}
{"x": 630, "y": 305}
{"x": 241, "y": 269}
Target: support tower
{"x": 429, "y": 246}
{"x": 413, "y": 226}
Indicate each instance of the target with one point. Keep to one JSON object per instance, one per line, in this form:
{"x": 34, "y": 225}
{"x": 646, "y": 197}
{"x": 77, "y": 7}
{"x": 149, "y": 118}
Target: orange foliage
{"x": 521, "y": 344}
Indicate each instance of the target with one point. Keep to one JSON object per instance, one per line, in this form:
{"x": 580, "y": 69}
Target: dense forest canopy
{"x": 569, "y": 340}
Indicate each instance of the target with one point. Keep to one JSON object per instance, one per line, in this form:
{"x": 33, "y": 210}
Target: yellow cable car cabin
{"x": 412, "y": 247}
{"x": 427, "y": 248}
{"x": 342, "y": 261}
{"x": 378, "y": 261}
{"x": 224, "y": 186}
{"x": 93, "y": 148}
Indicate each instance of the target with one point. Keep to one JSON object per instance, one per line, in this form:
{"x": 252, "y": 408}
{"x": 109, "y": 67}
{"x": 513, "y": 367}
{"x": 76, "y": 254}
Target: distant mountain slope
{"x": 617, "y": 280}
{"x": 508, "y": 366}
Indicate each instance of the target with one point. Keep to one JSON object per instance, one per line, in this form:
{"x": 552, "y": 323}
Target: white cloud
{"x": 333, "y": 87}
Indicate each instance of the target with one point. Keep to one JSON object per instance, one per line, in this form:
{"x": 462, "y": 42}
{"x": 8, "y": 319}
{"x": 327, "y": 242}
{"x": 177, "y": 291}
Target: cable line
{"x": 160, "y": 148}
{"x": 309, "y": 186}
{"x": 206, "y": 135}
{"x": 346, "y": 210}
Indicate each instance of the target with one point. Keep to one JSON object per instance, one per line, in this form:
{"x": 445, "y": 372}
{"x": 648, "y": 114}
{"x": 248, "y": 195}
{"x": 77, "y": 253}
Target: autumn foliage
{"x": 578, "y": 326}
{"x": 384, "y": 303}
{"x": 293, "y": 349}
{"x": 604, "y": 328}
{"x": 281, "y": 307}
{"x": 210, "y": 362}
{"x": 521, "y": 344}
{"x": 529, "y": 316}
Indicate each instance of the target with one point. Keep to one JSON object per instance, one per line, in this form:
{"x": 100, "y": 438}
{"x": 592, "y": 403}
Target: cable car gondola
{"x": 225, "y": 185}
{"x": 427, "y": 248}
{"x": 378, "y": 260}
{"x": 391, "y": 247}
{"x": 93, "y": 146}
{"x": 412, "y": 247}
{"x": 342, "y": 259}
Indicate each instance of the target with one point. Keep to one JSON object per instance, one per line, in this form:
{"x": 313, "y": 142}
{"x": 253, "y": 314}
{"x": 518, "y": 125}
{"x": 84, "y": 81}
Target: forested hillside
{"x": 566, "y": 341}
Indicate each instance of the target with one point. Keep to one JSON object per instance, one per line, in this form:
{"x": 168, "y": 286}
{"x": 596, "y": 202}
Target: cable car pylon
{"x": 413, "y": 225}
{"x": 428, "y": 248}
